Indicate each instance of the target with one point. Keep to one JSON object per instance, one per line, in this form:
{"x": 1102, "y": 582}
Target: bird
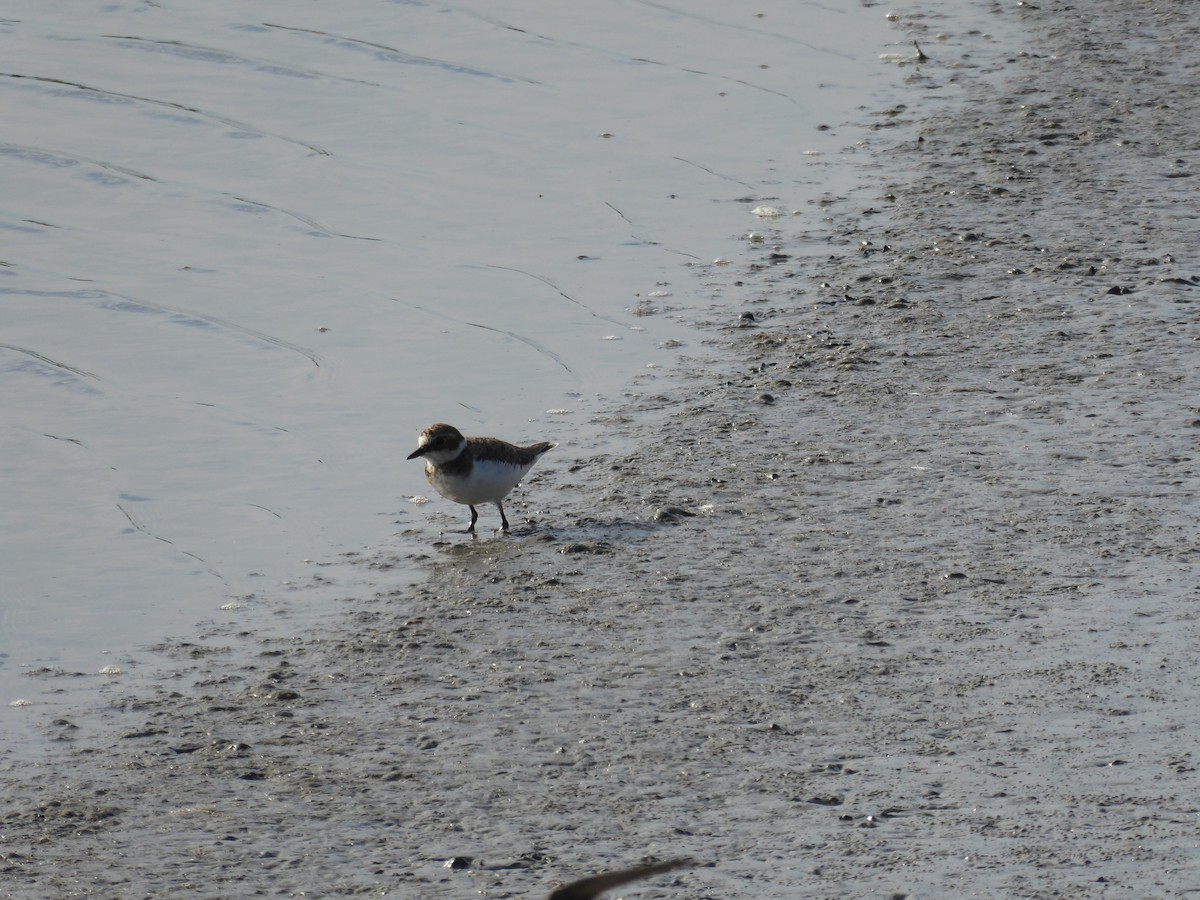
{"x": 474, "y": 470}
{"x": 590, "y": 888}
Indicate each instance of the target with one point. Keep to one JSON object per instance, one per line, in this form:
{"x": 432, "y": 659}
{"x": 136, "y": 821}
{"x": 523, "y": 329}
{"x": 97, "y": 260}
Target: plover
{"x": 474, "y": 470}
{"x": 590, "y": 888}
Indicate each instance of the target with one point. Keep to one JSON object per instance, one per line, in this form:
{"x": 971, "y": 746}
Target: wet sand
{"x": 889, "y": 592}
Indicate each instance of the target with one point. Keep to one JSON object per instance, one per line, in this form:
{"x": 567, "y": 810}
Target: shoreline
{"x": 888, "y": 595}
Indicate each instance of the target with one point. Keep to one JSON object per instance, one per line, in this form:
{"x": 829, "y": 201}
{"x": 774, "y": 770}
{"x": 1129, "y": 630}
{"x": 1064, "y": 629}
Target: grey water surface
{"x": 251, "y": 250}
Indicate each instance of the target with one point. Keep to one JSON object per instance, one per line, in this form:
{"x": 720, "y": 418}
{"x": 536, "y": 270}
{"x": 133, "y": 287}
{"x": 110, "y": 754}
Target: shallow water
{"x": 251, "y": 251}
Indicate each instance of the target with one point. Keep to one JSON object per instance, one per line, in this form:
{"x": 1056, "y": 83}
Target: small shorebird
{"x": 474, "y": 470}
{"x": 590, "y": 888}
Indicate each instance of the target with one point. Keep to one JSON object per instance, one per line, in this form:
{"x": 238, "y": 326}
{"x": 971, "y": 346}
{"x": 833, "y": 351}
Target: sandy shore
{"x": 891, "y": 592}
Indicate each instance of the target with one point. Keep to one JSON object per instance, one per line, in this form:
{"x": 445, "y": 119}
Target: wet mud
{"x": 889, "y": 591}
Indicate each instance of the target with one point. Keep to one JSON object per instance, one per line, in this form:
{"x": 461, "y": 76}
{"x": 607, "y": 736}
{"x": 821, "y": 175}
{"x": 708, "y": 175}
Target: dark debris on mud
{"x": 893, "y": 594}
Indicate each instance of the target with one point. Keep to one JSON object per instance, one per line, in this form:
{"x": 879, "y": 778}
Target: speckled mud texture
{"x": 892, "y": 594}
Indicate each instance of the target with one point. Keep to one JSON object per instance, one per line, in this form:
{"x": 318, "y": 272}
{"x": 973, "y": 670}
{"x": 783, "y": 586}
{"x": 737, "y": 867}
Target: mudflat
{"x": 890, "y": 590}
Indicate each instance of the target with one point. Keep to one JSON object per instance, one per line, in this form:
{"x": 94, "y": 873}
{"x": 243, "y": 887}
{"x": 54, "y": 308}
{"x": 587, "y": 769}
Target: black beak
{"x": 416, "y": 453}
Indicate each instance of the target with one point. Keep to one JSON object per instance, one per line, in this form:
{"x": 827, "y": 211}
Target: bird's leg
{"x": 474, "y": 519}
{"x": 503, "y": 518}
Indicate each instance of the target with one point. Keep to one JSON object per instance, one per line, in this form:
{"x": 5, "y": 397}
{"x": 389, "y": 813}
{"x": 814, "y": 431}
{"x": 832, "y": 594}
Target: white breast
{"x": 489, "y": 482}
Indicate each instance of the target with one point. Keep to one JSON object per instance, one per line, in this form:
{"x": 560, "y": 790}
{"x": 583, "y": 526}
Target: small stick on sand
{"x": 590, "y": 888}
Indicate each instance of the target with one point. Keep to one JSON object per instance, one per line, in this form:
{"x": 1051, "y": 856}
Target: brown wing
{"x": 493, "y": 448}
{"x": 590, "y": 888}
